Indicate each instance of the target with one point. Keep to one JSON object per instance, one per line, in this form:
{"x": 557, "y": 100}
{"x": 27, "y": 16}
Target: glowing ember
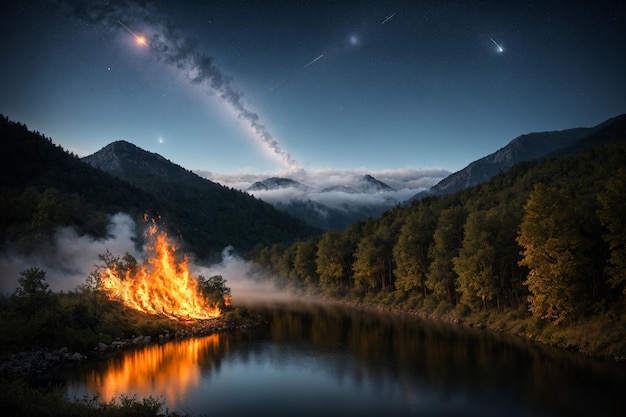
{"x": 160, "y": 286}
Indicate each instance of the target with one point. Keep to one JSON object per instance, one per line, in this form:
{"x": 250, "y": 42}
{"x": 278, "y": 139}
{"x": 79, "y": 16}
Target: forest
{"x": 537, "y": 251}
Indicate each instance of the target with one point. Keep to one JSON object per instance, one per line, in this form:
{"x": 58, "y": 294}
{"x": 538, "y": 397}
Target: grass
{"x": 19, "y": 398}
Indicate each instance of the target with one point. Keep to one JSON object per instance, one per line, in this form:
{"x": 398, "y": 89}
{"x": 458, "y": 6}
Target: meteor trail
{"x": 297, "y": 71}
{"x": 140, "y": 39}
{"x": 498, "y": 47}
{"x": 388, "y": 17}
{"x": 315, "y": 60}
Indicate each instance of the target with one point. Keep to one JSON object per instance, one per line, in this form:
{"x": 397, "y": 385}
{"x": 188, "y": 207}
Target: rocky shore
{"x": 38, "y": 360}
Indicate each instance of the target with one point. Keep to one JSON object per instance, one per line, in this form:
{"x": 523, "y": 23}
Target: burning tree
{"x": 161, "y": 285}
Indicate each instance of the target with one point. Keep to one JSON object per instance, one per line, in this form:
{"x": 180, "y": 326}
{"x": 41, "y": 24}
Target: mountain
{"x": 275, "y": 183}
{"x": 209, "y": 216}
{"x": 528, "y": 147}
{"x": 363, "y": 185}
{"x": 344, "y": 203}
{"x": 43, "y": 187}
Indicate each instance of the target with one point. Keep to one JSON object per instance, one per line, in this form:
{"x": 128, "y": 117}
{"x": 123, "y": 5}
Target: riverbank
{"x": 40, "y": 359}
{"x": 20, "y": 396}
{"x": 601, "y": 336}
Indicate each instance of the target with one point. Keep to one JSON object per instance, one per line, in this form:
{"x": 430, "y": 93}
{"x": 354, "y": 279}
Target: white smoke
{"x": 245, "y": 283}
{"x": 72, "y": 257}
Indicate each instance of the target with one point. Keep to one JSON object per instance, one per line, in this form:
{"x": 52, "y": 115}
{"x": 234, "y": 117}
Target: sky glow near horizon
{"x": 251, "y": 89}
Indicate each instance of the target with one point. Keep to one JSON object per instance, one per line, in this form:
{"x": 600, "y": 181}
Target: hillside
{"x": 528, "y": 147}
{"x": 538, "y": 251}
{"x": 43, "y": 187}
{"x": 209, "y": 216}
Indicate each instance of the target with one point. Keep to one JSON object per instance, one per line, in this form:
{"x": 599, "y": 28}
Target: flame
{"x": 160, "y": 286}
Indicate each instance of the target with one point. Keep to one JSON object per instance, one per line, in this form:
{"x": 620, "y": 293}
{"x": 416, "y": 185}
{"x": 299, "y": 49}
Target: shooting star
{"x": 312, "y": 62}
{"x": 301, "y": 69}
{"x": 499, "y": 48}
{"x": 388, "y": 17}
{"x": 141, "y": 40}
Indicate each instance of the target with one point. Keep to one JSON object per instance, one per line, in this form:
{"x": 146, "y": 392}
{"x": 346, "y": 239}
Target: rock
{"x": 77, "y": 357}
{"x": 137, "y": 340}
{"x": 102, "y": 347}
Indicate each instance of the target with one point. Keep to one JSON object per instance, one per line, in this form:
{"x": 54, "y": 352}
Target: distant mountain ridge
{"x": 364, "y": 185}
{"x": 275, "y": 183}
{"x": 321, "y": 215}
{"x": 527, "y": 147}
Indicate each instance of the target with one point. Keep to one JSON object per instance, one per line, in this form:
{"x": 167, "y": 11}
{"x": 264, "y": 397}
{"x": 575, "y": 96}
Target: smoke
{"x": 72, "y": 257}
{"x": 171, "y": 47}
{"x": 246, "y": 284}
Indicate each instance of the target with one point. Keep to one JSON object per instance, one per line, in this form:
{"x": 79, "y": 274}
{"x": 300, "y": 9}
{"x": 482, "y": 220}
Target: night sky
{"x": 265, "y": 87}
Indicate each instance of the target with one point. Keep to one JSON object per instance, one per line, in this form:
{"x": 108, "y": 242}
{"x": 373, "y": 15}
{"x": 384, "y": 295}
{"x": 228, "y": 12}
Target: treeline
{"x": 546, "y": 238}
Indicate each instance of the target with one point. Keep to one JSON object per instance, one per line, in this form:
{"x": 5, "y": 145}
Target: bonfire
{"x": 160, "y": 286}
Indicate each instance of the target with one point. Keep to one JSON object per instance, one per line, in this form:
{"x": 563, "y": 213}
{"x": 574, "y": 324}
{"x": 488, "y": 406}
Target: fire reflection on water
{"x": 164, "y": 371}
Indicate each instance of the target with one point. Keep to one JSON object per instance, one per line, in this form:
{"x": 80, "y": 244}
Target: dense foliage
{"x": 539, "y": 247}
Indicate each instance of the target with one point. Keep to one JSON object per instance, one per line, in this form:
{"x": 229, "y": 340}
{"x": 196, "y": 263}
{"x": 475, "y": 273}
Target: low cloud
{"x": 406, "y": 182}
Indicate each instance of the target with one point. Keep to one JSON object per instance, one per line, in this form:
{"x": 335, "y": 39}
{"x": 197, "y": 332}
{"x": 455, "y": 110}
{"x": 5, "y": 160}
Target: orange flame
{"x": 160, "y": 286}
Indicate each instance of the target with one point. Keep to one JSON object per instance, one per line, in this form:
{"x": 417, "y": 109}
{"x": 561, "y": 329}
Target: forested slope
{"x": 539, "y": 250}
{"x": 43, "y": 187}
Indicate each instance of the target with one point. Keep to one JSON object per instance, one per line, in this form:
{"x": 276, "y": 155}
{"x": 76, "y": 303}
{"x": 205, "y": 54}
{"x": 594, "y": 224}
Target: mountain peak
{"x": 362, "y": 185}
{"x": 276, "y": 183}
{"x": 527, "y": 147}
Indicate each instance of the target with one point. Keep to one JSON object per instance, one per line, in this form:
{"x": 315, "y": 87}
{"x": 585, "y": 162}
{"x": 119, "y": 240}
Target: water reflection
{"x": 312, "y": 360}
{"x": 170, "y": 370}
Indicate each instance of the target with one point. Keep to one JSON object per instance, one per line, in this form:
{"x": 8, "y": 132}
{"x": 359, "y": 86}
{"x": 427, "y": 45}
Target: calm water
{"x": 314, "y": 361}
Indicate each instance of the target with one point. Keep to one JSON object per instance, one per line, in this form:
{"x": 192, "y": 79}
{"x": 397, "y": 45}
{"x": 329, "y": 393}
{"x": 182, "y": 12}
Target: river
{"x": 321, "y": 360}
